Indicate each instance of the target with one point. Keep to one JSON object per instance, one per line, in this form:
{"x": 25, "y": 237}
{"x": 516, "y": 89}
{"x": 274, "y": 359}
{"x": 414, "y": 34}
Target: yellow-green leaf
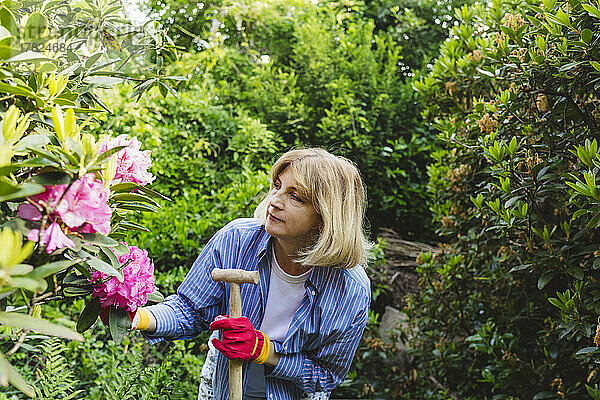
{"x": 38, "y": 325}
{"x": 8, "y": 373}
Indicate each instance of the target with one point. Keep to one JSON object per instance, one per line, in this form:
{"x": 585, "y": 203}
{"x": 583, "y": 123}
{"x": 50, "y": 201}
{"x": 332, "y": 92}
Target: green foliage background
{"x": 485, "y": 141}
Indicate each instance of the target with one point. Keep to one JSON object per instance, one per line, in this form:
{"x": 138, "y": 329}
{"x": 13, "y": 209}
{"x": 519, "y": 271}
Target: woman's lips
{"x": 272, "y": 218}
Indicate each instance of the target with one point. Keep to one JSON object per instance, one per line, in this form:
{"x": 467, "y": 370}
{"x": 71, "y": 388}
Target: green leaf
{"x": 545, "y": 278}
{"x": 35, "y": 27}
{"x": 154, "y": 193}
{"x": 4, "y": 33}
{"x": 137, "y": 207}
{"x": 133, "y": 226}
{"x": 8, "y": 169}
{"x": 16, "y": 89}
{"x": 569, "y": 66}
{"x": 103, "y": 81}
{"x": 114, "y": 260}
{"x": 139, "y": 89}
{"x": 575, "y": 272}
{"x": 21, "y": 269}
{"x": 123, "y": 187}
{"x": 45, "y": 154}
{"x": 89, "y": 315}
{"x": 24, "y": 321}
{"x": 52, "y": 178}
{"x": 593, "y": 222}
{"x": 134, "y": 197}
{"x": 99, "y": 239}
{"x": 119, "y": 323}
{"x": 108, "y": 153}
{"x": 156, "y": 297}
{"x": 520, "y": 267}
{"x": 556, "y": 303}
{"x": 31, "y": 141}
{"x": 45, "y": 270}
{"x": 8, "y": 373}
{"x": 484, "y": 72}
{"x": 92, "y": 59}
{"x": 74, "y": 291}
{"x": 593, "y": 11}
{"x": 100, "y": 265}
{"x": 588, "y": 350}
{"x": 28, "y": 189}
{"x": 23, "y": 282}
{"x": 29, "y": 56}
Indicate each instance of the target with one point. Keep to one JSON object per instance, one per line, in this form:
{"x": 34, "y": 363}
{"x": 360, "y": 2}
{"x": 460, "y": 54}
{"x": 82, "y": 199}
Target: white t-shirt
{"x": 285, "y": 295}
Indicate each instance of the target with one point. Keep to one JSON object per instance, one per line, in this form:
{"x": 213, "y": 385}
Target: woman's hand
{"x": 143, "y": 320}
{"x": 241, "y": 341}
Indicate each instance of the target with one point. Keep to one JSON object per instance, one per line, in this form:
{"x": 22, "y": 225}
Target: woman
{"x": 307, "y": 242}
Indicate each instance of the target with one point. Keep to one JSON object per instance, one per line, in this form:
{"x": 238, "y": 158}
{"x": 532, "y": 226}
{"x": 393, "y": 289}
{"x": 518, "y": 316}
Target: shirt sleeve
{"x": 327, "y": 368}
{"x": 198, "y": 299}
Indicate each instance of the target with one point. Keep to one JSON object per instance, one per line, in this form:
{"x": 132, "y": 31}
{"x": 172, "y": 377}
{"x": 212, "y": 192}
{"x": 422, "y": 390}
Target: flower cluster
{"x": 137, "y": 284}
{"x": 132, "y": 164}
{"x": 82, "y": 207}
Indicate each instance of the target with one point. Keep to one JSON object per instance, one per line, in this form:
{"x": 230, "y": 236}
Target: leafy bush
{"x": 57, "y": 185}
{"x": 513, "y": 294}
{"x": 211, "y": 162}
{"x": 332, "y": 75}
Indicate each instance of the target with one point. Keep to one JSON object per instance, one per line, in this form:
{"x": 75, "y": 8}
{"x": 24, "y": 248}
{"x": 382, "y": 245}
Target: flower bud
{"x": 6, "y": 153}
{"x": 109, "y": 171}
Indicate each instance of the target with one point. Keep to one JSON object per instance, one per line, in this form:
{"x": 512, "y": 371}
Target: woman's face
{"x": 289, "y": 217}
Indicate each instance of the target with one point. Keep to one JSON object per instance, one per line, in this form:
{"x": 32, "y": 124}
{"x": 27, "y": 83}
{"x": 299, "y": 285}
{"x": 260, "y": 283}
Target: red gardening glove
{"x": 240, "y": 340}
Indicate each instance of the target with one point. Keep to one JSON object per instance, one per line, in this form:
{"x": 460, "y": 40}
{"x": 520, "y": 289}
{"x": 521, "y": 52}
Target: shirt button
{"x": 270, "y": 396}
{"x": 313, "y": 293}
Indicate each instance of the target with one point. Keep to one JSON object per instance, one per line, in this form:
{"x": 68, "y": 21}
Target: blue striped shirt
{"x": 324, "y": 333}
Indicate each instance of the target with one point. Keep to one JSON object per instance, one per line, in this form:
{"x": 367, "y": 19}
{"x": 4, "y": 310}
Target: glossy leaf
{"x": 8, "y": 373}
{"x": 119, "y": 323}
{"x": 89, "y": 315}
{"x": 23, "y": 321}
{"x": 46, "y": 270}
{"x": 100, "y": 265}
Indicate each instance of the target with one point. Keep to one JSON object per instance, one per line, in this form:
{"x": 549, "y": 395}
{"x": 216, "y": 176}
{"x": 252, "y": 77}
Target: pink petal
{"x": 29, "y": 211}
{"x": 56, "y": 238}
{"x": 33, "y": 235}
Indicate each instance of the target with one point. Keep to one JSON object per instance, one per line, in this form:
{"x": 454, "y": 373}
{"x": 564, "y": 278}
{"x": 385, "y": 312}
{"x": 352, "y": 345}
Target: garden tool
{"x": 235, "y": 277}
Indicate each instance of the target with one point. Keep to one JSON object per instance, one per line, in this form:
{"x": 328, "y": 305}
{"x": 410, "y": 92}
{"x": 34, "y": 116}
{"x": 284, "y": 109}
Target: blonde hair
{"x": 332, "y": 184}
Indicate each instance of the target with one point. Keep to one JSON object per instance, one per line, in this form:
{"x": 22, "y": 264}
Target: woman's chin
{"x": 271, "y": 230}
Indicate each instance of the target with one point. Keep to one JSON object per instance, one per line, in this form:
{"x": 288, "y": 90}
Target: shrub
{"x": 57, "y": 185}
{"x": 514, "y": 97}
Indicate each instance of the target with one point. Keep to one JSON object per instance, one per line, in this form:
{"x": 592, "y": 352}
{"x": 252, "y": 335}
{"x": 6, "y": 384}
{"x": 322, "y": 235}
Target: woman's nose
{"x": 276, "y": 200}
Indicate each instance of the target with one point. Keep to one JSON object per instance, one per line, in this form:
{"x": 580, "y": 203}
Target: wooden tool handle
{"x": 235, "y": 277}
{"x": 235, "y": 366}
{"x": 232, "y": 275}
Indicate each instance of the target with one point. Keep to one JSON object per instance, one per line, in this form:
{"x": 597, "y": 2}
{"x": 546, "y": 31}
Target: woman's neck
{"x": 284, "y": 252}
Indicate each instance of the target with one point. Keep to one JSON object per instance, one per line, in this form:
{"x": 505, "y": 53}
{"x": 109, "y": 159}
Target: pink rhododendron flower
{"x": 132, "y": 164}
{"x": 53, "y": 237}
{"x": 137, "y": 284}
{"x": 86, "y": 203}
{"x": 83, "y": 208}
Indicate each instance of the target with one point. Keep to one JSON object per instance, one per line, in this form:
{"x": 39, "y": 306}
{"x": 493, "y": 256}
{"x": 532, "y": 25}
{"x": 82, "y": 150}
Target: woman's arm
{"x": 197, "y": 302}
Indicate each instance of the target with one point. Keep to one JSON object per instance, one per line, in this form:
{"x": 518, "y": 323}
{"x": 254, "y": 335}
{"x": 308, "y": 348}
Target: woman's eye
{"x": 296, "y": 197}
